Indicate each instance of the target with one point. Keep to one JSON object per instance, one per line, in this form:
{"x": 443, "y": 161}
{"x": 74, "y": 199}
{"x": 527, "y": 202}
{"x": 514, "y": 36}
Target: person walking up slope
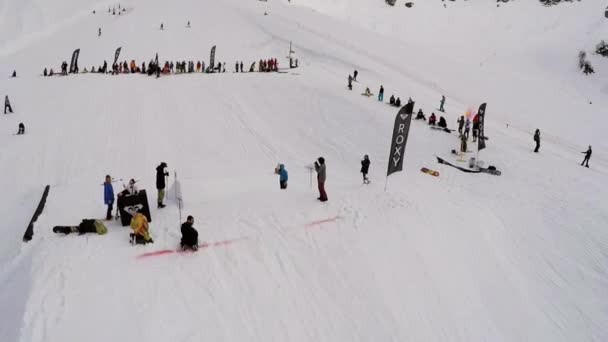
{"x": 365, "y": 168}
{"x": 320, "y": 167}
{"x": 587, "y": 157}
{"x": 537, "y": 140}
{"x": 160, "y": 183}
{"x": 108, "y": 196}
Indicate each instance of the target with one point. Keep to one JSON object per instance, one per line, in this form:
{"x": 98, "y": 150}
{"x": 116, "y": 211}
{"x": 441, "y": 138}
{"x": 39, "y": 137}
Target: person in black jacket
{"x": 587, "y": 157}
{"x": 160, "y": 183}
{"x": 7, "y": 105}
{"x": 365, "y": 168}
{"x": 537, "y": 140}
{"x": 189, "y": 235}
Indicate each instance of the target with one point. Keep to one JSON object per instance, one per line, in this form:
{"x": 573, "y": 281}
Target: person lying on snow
{"x": 141, "y": 234}
{"x": 86, "y": 226}
{"x": 189, "y": 235}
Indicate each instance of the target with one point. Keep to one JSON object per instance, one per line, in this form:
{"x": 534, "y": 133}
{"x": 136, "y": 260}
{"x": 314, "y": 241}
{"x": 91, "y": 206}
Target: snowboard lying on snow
{"x": 447, "y": 130}
{"x": 430, "y": 172}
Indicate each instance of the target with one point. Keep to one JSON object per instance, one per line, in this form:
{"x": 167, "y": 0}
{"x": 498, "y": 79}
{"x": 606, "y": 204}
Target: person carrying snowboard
{"x": 365, "y": 168}
{"x": 160, "y": 183}
{"x": 350, "y": 82}
{"x": 189, "y": 235}
{"x": 587, "y": 157}
{"x": 141, "y": 233}
{"x": 283, "y": 176}
{"x": 381, "y": 94}
{"x": 7, "y": 105}
{"x": 108, "y": 196}
{"x": 320, "y": 167}
{"x": 442, "y": 103}
{"x": 86, "y": 226}
{"x": 21, "y": 129}
{"x": 537, "y": 140}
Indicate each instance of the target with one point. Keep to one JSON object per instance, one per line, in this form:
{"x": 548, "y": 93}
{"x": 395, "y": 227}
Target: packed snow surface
{"x": 459, "y": 257}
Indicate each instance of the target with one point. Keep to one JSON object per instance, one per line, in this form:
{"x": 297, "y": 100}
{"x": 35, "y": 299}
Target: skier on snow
{"x": 160, "y": 183}
{"x": 537, "y": 140}
{"x": 587, "y": 157}
{"x": 189, "y": 235}
{"x": 320, "y": 167}
{"x": 108, "y": 196}
{"x": 365, "y": 168}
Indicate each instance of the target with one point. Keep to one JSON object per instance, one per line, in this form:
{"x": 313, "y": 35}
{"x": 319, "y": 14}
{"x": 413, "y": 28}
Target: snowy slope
{"x": 461, "y": 257}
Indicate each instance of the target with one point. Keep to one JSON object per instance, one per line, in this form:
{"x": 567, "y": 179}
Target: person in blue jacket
{"x": 108, "y": 196}
{"x": 283, "y": 176}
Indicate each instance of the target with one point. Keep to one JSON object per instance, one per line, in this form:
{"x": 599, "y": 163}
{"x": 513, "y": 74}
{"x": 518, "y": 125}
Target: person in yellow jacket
{"x": 141, "y": 234}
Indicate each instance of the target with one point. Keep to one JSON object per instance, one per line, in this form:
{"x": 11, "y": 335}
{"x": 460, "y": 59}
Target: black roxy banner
{"x": 400, "y": 133}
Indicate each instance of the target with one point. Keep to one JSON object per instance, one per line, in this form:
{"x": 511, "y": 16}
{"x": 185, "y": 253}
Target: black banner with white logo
{"x": 481, "y": 141}
{"x": 212, "y": 58}
{"x": 400, "y": 133}
{"x": 74, "y": 63}
{"x": 116, "y": 54}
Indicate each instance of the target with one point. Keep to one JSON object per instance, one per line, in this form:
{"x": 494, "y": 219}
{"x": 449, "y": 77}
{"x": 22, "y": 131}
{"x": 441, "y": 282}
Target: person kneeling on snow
{"x": 86, "y": 226}
{"x": 189, "y": 235}
{"x": 141, "y": 234}
{"x": 420, "y": 115}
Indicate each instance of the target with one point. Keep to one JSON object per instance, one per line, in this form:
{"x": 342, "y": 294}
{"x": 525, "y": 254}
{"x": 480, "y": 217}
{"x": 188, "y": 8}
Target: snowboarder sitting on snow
{"x": 189, "y": 235}
{"x": 7, "y": 105}
{"x": 365, "y": 168}
{"x": 14, "y": 74}
{"x": 420, "y": 115}
{"x": 398, "y": 102}
{"x": 432, "y": 119}
{"x": 391, "y": 100}
{"x": 367, "y": 92}
{"x": 86, "y": 226}
{"x": 442, "y": 123}
{"x": 141, "y": 234}
{"x": 587, "y": 157}
{"x": 283, "y": 176}
{"x": 21, "y": 129}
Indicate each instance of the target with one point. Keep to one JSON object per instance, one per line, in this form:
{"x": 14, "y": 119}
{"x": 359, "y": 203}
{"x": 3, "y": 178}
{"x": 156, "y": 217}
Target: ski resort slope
{"x": 459, "y": 257}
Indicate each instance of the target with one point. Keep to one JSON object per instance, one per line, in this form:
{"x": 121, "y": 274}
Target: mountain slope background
{"x": 460, "y": 257}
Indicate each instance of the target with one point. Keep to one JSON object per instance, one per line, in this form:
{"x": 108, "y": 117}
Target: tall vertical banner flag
{"x": 212, "y": 58}
{"x": 481, "y": 141}
{"x": 400, "y": 133}
{"x": 116, "y": 54}
{"x": 74, "y": 62}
